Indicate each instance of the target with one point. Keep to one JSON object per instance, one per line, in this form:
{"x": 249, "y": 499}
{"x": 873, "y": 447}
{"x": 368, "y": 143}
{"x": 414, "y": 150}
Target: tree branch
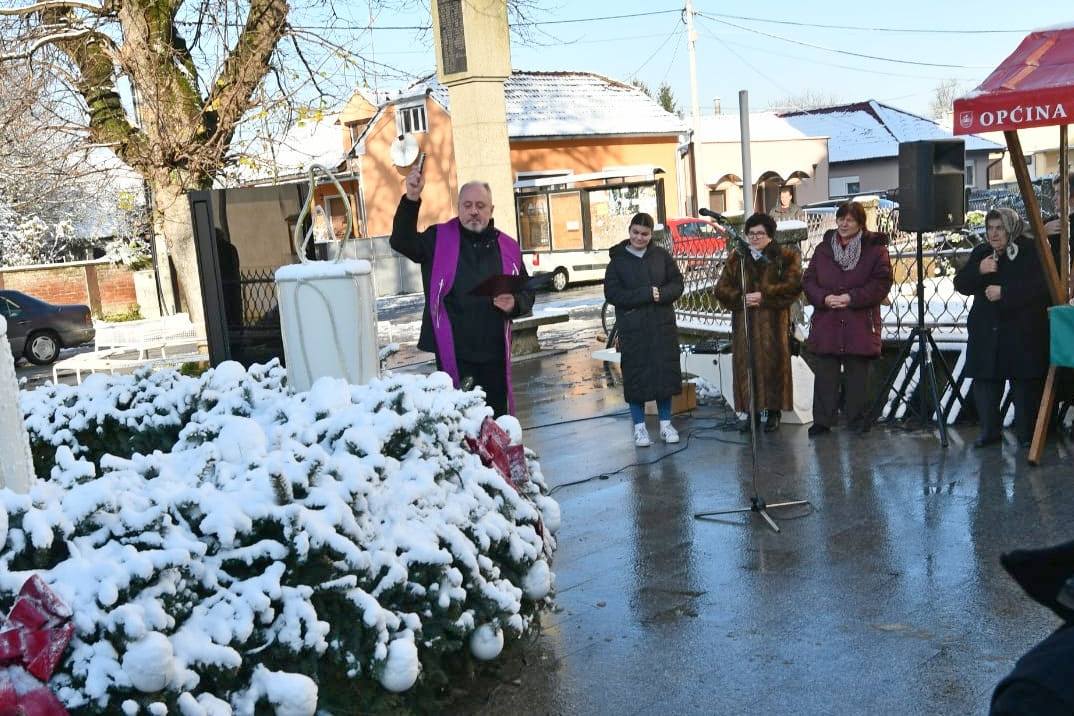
{"x": 245, "y": 68}
{"x": 54, "y": 5}
{"x": 42, "y": 41}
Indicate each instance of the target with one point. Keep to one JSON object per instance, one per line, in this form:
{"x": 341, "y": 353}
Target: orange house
{"x": 587, "y": 152}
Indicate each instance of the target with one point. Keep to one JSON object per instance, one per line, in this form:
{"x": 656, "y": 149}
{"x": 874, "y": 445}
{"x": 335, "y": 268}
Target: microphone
{"x": 711, "y": 214}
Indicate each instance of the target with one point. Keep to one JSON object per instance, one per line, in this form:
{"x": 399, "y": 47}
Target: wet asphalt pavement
{"x": 884, "y": 595}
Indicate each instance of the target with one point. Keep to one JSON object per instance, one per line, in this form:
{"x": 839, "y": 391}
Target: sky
{"x": 738, "y": 46}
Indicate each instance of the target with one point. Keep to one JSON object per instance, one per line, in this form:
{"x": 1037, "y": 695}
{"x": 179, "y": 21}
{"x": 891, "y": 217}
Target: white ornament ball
{"x": 486, "y": 642}
{"x": 401, "y": 667}
{"x": 150, "y": 662}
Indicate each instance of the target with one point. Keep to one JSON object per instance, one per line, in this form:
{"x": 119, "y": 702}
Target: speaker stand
{"x": 925, "y": 359}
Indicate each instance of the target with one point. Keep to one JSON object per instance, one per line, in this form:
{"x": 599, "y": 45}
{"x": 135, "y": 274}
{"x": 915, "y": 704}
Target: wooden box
{"x": 681, "y": 403}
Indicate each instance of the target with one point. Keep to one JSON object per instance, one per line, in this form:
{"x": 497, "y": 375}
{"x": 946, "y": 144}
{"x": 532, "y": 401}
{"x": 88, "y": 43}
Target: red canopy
{"x": 1034, "y": 87}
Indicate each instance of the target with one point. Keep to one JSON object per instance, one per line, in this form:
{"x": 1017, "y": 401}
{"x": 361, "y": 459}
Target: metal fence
{"x": 942, "y": 253}
{"x": 259, "y": 297}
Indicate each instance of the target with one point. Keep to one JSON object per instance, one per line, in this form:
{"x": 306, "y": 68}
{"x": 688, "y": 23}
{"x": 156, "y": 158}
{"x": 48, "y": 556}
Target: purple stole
{"x": 441, "y": 280}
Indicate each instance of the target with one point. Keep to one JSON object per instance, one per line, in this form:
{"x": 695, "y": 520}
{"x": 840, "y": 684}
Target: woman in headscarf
{"x": 846, "y": 281}
{"x": 1007, "y": 325}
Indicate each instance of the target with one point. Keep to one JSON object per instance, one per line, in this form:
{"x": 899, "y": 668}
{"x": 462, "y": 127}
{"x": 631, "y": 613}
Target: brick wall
{"x": 116, "y": 288}
{"x": 101, "y": 286}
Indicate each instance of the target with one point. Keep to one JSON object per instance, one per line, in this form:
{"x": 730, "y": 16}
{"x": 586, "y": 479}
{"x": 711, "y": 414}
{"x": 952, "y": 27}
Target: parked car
{"x": 696, "y": 237}
{"x": 38, "y": 330}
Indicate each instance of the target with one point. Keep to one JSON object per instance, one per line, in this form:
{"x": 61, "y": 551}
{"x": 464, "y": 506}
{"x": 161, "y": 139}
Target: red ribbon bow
{"x": 35, "y": 635}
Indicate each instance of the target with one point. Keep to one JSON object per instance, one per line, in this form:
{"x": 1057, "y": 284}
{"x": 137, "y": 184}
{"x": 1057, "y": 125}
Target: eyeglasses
{"x": 757, "y": 234}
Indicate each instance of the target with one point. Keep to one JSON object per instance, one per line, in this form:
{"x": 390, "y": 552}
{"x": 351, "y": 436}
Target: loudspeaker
{"x": 932, "y": 184}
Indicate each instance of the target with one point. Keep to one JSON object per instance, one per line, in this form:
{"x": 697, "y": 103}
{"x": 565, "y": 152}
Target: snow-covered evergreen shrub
{"x": 227, "y": 547}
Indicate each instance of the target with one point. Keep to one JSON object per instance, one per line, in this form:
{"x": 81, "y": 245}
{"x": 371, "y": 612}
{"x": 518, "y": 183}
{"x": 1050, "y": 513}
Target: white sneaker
{"x": 641, "y": 436}
{"x": 669, "y": 434}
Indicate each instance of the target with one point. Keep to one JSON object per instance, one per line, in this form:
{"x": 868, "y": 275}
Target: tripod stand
{"x": 924, "y": 361}
{"x": 757, "y": 503}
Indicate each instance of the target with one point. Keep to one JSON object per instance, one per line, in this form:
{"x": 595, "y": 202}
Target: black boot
{"x": 744, "y": 424}
{"x": 771, "y": 423}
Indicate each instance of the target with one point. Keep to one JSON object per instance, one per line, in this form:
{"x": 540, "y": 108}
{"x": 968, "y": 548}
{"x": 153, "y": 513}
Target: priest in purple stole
{"x": 470, "y": 334}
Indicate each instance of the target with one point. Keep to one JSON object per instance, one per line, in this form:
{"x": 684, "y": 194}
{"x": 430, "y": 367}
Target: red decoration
{"x": 36, "y": 634}
{"x": 493, "y": 446}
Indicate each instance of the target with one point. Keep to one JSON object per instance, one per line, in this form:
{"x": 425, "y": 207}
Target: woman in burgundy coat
{"x": 846, "y": 281}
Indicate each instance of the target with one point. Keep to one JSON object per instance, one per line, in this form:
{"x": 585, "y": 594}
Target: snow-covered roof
{"x": 314, "y": 140}
{"x": 872, "y": 130}
{"x": 571, "y": 104}
{"x": 764, "y": 127}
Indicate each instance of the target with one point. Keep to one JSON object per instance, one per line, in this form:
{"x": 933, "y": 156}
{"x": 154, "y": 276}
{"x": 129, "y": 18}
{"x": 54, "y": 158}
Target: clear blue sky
{"x": 653, "y": 48}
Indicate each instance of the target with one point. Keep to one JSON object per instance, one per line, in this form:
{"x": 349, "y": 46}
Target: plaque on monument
{"x": 452, "y": 37}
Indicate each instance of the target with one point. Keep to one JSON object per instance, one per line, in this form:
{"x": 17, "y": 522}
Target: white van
{"x": 567, "y": 223}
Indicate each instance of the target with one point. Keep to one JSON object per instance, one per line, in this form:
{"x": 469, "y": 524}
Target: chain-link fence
{"x": 942, "y": 254}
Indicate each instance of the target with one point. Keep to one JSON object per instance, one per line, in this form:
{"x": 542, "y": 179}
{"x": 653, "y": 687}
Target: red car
{"x": 696, "y": 237}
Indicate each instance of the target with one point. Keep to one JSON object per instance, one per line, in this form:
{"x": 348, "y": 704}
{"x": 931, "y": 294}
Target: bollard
{"x": 16, "y": 464}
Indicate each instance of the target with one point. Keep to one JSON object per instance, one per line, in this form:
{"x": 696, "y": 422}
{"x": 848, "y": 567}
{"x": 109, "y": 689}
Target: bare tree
{"x": 206, "y": 78}
{"x": 56, "y": 192}
{"x": 947, "y": 91}
{"x": 807, "y": 99}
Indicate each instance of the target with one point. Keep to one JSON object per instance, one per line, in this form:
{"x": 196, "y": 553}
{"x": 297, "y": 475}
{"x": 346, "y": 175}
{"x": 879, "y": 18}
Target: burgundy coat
{"x": 854, "y": 330}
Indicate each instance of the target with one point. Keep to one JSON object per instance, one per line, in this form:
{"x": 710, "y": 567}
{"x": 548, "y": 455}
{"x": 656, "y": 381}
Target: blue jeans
{"x": 663, "y": 410}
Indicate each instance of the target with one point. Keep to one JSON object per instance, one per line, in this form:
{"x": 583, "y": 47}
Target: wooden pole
{"x": 1057, "y": 283}
{"x": 1044, "y": 416}
{"x": 1064, "y": 209}
{"x": 1044, "y": 250}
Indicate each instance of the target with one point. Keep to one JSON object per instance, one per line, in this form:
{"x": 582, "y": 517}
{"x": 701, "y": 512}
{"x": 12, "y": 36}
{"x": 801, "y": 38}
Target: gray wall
{"x": 881, "y": 174}
{"x": 392, "y": 274}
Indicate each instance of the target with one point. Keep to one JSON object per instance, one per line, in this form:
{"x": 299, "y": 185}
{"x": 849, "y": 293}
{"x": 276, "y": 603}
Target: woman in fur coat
{"x": 773, "y": 282}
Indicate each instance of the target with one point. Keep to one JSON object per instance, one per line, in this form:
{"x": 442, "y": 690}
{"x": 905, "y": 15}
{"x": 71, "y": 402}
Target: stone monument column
{"x": 473, "y": 58}
{"x": 16, "y": 464}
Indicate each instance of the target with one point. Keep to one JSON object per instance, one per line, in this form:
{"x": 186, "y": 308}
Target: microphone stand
{"x": 757, "y": 503}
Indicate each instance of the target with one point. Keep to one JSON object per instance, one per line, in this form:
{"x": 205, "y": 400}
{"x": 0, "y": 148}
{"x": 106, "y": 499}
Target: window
{"x": 844, "y": 186}
{"x": 533, "y": 227}
{"x": 610, "y": 212}
{"x": 355, "y": 131}
{"x": 9, "y": 308}
{"x": 718, "y": 201}
{"x": 970, "y": 176}
{"x": 411, "y": 118}
{"x": 337, "y": 217}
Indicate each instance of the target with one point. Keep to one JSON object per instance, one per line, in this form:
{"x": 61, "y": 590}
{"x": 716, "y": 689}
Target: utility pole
{"x": 695, "y": 108}
{"x": 691, "y": 41}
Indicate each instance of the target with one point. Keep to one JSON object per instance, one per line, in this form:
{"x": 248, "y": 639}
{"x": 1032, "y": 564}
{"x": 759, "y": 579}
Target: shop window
{"x": 533, "y": 226}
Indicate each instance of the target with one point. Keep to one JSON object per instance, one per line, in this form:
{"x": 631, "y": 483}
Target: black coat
{"x": 1008, "y": 338}
{"x": 477, "y": 325}
{"x": 648, "y": 336}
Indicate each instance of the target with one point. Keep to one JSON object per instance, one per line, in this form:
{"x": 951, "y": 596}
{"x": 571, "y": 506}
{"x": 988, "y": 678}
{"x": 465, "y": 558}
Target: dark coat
{"x": 648, "y": 336}
{"x": 854, "y": 330}
{"x": 1008, "y": 338}
{"x": 778, "y": 276}
{"x": 1042, "y": 682}
{"x": 477, "y": 325}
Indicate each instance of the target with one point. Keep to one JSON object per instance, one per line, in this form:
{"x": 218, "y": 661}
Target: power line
{"x": 812, "y": 60}
{"x": 673, "y": 33}
{"x": 841, "y": 52}
{"x": 595, "y": 19}
{"x": 869, "y": 29}
{"x": 527, "y": 23}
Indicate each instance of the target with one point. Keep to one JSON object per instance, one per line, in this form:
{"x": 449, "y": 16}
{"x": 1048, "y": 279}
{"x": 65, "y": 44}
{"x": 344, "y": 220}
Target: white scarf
{"x": 847, "y": 256}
